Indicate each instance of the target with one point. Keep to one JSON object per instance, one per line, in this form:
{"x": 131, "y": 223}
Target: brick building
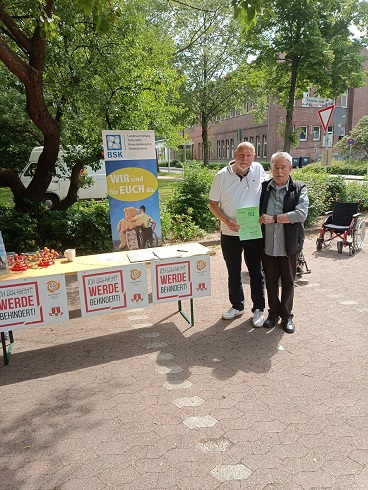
{"x": 226, "y": 134}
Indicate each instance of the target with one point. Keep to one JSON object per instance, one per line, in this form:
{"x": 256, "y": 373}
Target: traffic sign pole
{"x": 351, "y": 143}
{"x": 325, "y": 117}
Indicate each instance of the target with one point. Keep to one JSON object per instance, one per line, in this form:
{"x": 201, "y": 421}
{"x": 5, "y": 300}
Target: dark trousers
{"x": 280, "y": 269}
{"x": 232, "y": 251}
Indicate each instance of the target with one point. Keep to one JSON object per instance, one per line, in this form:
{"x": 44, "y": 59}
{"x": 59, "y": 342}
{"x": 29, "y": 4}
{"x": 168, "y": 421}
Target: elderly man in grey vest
{"x": 283, "y": 209}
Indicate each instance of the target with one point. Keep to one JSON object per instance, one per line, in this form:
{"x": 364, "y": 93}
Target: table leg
{"x": 7, "y": 351}
{"x": 190, "y": 319}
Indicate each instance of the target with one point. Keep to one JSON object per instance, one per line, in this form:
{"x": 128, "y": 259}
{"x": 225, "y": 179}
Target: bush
{"x": 89, "y": 227}
{"x": 191, "y": 193}
{"x": 217, "y": 165}
{"x": 323, "y": 189}
{"x": 84, "y": 226}
{"x": 20, "y": 232}
{"x": 179, "y": 228}
{"x": 173, "y": 163}
{"x": 358, "y": 191}
{"x": 356, "y": 167}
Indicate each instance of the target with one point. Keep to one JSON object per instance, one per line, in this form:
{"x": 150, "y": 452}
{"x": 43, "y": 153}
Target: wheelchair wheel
{"x": 352, "y": 250}
{"x": 358, "y": 234}
{"x": 319, "y": 243}
{"x": 154, "y": 240}
{"x": 339, "y": 247}
{"x": 140, "y": 239}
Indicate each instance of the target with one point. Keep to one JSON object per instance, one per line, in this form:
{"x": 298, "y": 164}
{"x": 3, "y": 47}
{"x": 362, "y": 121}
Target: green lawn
{"x": 6, "y": 195}
{"x": 165, "y": 187}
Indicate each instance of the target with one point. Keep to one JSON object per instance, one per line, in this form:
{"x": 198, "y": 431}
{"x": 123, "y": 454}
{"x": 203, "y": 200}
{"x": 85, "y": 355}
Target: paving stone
{"x": 84, "y": 403}
{"x": 156, "y": 345}
{"x": 178, "y": 386}
{"x": 195, "y": 422}
{"x": 231, "y": 472}
{"x": 194, "y": 401}
{"x": 148, "y": 335}
{"x": 214, "y": 444}
{"x": 168, "y": 369}
{"x": 162, "y": 356}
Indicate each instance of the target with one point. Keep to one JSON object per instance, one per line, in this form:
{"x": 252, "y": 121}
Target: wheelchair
{"x": 147, "y": 238}
{"x": 343, "y": 222}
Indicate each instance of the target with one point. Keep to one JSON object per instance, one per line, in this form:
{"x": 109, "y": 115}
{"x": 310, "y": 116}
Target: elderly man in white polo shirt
{"x": 239, "y": 186}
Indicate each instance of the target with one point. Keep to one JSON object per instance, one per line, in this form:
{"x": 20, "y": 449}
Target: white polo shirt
{"x": 232, "y": 193}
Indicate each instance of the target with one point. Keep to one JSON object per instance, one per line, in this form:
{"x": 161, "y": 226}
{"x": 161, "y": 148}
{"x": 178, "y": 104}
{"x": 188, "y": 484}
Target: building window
{"x": 305, "y": 101}
{"x": 316, "y": 133}
{"x": 218, "y": 149}
{"x": 344, "y": 100}
{"x": 251, "y": 139}
{"x": 303, "y": 135}
{"x": 232, "y": 149}
{"x": 227, "y": 149}
{"x": 222, "y": 148}
{"x": 265, "y": 146}
{"x": 258, "y": 146}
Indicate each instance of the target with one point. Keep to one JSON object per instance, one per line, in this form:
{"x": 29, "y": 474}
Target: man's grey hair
{"x": 282, "y": 154}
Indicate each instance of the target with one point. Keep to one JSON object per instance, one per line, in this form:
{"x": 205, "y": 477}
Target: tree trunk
{"x": 31, "y": 75}
{"x": 290, "y": 106}
{"x": 205, "y": 142}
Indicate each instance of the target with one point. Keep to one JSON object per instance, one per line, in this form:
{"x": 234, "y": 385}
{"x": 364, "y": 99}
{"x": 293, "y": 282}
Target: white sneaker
{"x": 258, "y": 318}
{"x": 232, "y": 313}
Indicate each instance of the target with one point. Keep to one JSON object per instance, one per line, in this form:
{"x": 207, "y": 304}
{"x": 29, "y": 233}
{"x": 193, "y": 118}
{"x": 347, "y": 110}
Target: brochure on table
{"x": 33, "y": 302}
{"x": 181, "y": 278}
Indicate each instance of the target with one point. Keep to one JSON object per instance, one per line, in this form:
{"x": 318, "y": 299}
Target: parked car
{"x": 59, "y": 185}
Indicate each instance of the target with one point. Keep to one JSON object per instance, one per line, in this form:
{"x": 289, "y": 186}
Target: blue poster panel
{"x": 132, "y": 189}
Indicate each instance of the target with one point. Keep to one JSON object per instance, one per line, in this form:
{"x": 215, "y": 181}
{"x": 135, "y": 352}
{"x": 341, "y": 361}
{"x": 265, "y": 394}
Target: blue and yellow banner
{"x": 132, "y": 189}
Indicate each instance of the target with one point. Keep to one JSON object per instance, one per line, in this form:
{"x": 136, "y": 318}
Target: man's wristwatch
{"x": 275, "y": 218}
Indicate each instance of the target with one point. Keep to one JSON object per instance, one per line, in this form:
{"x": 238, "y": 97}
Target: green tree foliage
{"x": 360, "y": 134}
{"x": 16, "y": 131}
{"x": 301, "y": 44}
{"x": 210, "y": 56}
{"x": 247, "y": 10}
{"x": 191, "y": 193}
{"x": 76, "y": 82}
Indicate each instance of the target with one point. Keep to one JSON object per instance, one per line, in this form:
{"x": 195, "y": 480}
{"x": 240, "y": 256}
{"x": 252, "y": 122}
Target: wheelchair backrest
{"x": 343, "y": 213}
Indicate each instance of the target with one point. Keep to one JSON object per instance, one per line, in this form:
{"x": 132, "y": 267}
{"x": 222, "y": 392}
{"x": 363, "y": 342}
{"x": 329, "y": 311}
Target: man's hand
{"x": 232, "y": 225}
{"x": 266, "y": 219}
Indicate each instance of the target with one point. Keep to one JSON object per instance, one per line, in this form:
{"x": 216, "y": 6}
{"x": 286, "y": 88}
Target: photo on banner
{"x": 132, "y": 189}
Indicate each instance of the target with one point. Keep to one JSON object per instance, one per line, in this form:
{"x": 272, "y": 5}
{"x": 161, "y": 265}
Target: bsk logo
{"x": 114, "y": 146}
{"x": 113, "y": 142}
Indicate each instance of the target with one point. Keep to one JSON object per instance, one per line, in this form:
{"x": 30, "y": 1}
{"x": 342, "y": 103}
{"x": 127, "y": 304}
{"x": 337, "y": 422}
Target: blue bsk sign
{"x": 350, "y": 142}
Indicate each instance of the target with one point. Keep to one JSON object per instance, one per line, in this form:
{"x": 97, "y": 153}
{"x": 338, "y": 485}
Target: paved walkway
{"x": 140, "y": 401}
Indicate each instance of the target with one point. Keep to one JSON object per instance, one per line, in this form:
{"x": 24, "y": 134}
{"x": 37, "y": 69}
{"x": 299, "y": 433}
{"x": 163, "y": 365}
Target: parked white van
{"x": 59, "y": 185}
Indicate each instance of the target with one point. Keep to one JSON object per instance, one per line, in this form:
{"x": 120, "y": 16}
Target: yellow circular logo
{"x": 201, "y": 264}
{"x": 52, "y": 286}
{"x": 131, "y": 184}
{"x": 135, "y": 274}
